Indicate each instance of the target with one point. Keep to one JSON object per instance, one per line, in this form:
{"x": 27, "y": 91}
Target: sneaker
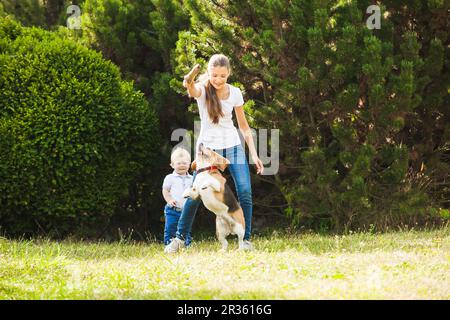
{"x": 247, "y": 245}
{"x": 174, "y": 246}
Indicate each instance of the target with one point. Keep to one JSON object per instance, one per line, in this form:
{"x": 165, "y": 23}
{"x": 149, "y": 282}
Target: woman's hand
{"x": 189, "y": 78}
{"x": 187, "y": 85}
{"x": 259, "y": 165}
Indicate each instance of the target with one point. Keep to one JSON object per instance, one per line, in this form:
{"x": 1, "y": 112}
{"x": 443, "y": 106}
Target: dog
{"x": 217, "y": 196}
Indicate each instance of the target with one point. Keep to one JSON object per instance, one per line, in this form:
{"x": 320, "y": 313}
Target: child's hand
{"x": 172, "y": 203}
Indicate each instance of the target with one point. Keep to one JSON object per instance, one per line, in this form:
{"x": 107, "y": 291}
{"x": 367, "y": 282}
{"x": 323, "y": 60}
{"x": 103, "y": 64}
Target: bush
{"x": 73, "y": 135}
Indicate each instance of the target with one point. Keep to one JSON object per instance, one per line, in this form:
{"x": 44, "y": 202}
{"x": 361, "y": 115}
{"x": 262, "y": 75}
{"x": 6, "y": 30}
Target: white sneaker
{"x": 174, "y": 246}
{"x": 247, "y": 245}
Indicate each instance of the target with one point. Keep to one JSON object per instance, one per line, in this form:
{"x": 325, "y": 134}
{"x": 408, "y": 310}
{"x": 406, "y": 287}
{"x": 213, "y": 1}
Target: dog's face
{"x": 206, "y": 157}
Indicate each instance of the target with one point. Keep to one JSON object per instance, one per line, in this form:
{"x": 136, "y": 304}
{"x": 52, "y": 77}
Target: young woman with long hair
{"x": 216, "y": 100}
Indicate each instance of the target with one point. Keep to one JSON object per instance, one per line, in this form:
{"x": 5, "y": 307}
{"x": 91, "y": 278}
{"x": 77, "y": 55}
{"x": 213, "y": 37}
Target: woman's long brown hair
{"x": 212, "y": 100}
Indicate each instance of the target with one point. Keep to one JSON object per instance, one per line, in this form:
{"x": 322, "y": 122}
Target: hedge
{"x": 73, "y": 135}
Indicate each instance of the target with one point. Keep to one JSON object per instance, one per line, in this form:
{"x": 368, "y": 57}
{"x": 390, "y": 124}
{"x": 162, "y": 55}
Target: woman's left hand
{"x": 259, "y": 165}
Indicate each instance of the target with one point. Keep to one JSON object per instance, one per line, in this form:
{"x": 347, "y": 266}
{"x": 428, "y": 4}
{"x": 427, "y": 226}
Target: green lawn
{"x": 402, "y": 265}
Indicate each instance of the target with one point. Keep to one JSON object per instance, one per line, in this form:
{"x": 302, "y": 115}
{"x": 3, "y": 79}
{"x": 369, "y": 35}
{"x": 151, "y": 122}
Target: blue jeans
{"x": 170, "y": 227}
{"x": 241, "y": 175}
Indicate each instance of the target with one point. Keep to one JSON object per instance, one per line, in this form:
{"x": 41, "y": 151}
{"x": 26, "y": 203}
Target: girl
{"x": 216, "y": 100}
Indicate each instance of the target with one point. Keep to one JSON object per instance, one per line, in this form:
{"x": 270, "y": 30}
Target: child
{"x": 173, "y": 187}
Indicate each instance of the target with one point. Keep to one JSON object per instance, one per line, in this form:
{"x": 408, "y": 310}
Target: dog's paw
{"x": 186, "y": 193}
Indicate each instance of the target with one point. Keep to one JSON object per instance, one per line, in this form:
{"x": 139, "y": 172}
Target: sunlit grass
{"x": 403, "y": 265}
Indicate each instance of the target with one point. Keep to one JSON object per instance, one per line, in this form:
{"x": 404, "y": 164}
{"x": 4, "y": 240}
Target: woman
{"x": 216, "y": 100}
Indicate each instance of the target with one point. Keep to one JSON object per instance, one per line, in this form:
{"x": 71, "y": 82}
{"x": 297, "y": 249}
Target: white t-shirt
{"x": 223, "y": 134}
{"x": 176, "y": 184}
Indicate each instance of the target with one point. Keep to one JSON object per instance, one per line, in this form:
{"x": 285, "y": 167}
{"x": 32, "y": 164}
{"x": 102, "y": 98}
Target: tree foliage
{"x": 363, "y": 114}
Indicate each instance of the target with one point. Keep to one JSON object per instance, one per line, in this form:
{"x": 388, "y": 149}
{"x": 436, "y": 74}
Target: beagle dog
{"x": 211, "y": 187}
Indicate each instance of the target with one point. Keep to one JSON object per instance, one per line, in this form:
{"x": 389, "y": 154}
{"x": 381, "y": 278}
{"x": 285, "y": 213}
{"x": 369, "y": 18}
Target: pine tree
{"x": 347, "y": 100}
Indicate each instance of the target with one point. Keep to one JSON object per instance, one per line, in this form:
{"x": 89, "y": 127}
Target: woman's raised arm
{"x": 189, "y": 83}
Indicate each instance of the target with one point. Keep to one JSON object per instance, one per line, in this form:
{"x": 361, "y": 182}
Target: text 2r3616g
{"x": 246, "y": 309}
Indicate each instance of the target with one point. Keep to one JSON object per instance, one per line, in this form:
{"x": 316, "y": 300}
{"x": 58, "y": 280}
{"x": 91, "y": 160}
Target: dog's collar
{"x": 207, "y": 168}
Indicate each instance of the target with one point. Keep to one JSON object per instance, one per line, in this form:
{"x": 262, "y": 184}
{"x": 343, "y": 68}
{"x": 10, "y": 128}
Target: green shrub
{"x": 73, "y": 135}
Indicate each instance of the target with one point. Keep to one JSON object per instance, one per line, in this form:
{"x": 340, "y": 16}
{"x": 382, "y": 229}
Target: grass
{"x": 401, "y": 265}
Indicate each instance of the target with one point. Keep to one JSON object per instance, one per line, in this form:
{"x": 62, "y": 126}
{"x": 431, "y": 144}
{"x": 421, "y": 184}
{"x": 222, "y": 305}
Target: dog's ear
{"x": 194, "y": 165}
{"x": 221, "y": 162}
